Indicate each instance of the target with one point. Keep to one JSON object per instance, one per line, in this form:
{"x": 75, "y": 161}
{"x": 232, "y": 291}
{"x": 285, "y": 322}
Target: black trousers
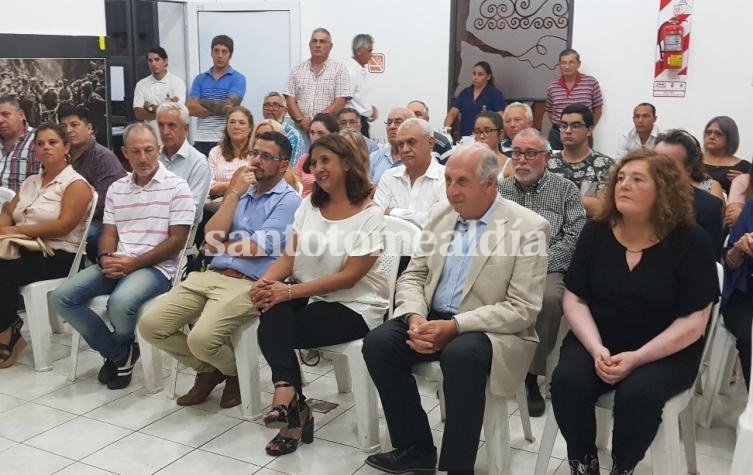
{"x": 465, "y": 361}
{"x": 31, "y": 267}
{"x": 288, "y": 326}
{"x": 364, "y": 126}
{"x": 738, "y": 318}
{"x": 638, "y": 403}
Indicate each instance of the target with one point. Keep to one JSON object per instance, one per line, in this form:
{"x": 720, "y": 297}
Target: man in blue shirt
{"x": 244, "y": 237}
{"x": 213, "y": 93}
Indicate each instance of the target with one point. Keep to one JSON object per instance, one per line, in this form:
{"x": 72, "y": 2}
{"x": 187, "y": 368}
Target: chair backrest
{"x": 6, "y": 194}
{"x": 711, "y": 326}
{"x": 400, "y": 240}
{"x": 82, "y": 245}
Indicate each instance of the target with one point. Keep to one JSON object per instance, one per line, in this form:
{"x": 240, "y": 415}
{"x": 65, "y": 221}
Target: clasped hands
{"x": 613, "y": 369}
{"x": 427, "y": 337}
{"x": 265, "y": 294}
{"x": 117, "y": 266}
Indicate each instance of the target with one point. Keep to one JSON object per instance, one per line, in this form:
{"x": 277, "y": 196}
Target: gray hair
{"x": 273, "y": 94}
{"x": 12, "y": 100}
{"x": 531, "y": 133}
{"x": 138, "y": 126}
{"x": 362, "y": 40}
{"x": 322, "y": 30}
{"x": 488, "y": 167}
{"x": 526, "y": 110}
{"x": 425, "y": 126}
{"x": 175, "y": 106}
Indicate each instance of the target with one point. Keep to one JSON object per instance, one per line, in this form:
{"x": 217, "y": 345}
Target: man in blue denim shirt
{"x": 245, "y": 236}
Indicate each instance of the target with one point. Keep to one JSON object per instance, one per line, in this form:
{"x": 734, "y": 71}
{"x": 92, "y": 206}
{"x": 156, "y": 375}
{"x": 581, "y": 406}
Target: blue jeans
{"x": 127, "y": 295}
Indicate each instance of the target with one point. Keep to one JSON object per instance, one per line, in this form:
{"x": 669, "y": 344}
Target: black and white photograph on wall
{"x": 43, "y": 84}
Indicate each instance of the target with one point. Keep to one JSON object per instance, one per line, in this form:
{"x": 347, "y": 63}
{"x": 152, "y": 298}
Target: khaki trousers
{"x": 220, "y": 303}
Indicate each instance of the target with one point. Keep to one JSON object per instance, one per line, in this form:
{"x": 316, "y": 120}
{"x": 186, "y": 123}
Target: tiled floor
{"x": 49, "y": 425}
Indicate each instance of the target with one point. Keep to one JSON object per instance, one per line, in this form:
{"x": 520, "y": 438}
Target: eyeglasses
{"x": 263, "y": 155}
{"x": 395, "y": 122}
{"x": 529, "y": 154}
{"x": 272, "y": 105}
{"x": 572, "y": 126}
{"x": 483, "y": 132}
{"x": 345, "y": 123}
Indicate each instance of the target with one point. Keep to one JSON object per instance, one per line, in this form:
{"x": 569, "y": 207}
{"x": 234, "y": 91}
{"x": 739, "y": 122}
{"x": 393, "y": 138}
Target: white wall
{"x": 53, "y": 17}
{"x": 616, "y": 41}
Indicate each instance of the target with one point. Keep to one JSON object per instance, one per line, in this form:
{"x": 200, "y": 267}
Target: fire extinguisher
{"x": 670, "y": 41}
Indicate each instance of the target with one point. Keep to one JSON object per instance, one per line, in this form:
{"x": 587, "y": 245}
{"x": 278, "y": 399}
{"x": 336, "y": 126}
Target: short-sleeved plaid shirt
{"x": 19, "y": 162}
{"x": 315, "y": 92}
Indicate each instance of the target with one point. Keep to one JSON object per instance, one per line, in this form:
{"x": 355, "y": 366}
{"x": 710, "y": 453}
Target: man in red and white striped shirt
{"x": 572, "y": 87}
{"x": 147, "y": 219}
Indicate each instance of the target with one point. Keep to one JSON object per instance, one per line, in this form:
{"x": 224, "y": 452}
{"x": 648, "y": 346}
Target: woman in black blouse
{"x": 638, "y": 296}
{"x": 720, "y": 141}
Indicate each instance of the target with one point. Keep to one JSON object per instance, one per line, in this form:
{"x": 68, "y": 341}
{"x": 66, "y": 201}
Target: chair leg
{"x": 342, "y": 372}
{"x": 365, "y": 395}
{"x": 56, "y": 323}
{"x": 497, "y": 434}
{"x": 729, "y": 369}
{"x": 440, "y": 396}
{"x": 665, "y": 449}
{"x": 603, "y": 427}
{"x": 247, "y": 361}
{"x": 525, "y": 418}
{"x": 547, "y": 442}
{"x": 151, "y": 363}
{"x": 687, "y": 431}
{"x": 39, "y": 328}
{"x": 75, "y": 342}
{"x": 173, "y": 382}
{"x": 715, "y": 374}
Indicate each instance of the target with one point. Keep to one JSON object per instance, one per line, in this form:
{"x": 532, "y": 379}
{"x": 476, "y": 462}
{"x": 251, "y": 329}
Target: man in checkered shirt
{"x": 318, "y": 84}
{"x": 558, "y": 200}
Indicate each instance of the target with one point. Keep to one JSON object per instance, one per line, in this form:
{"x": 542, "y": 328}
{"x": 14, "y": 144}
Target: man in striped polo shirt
{"x": 213, "y": 93}
{"x": 146, "y": 222}
{"x": 572, "y": 87}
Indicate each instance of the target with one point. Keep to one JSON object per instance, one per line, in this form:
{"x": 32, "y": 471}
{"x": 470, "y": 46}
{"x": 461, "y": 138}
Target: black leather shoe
{"x": 405, "y": 460}
{"x": 107, "y": 372}
{"x": 536, "y": 404}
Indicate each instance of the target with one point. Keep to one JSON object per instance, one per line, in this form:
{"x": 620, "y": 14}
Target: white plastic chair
{"x": 41, "y": 321}
{"x": 350, "y": 368}
{"x": 677, "y": 416}
{"x": 496, "y": 419}
{"x": 722, "y": 360}
{"x": 742, "y": 460}
{"x": 151, "y": 357}
{"x": 6, "y": 194}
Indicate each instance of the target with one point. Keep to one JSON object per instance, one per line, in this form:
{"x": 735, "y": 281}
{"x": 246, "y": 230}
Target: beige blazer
{"x": 503, "y": 290}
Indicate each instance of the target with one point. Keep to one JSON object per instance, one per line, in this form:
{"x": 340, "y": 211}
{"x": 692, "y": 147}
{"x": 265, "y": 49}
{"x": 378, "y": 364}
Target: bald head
{"x": 396, "y": 117}
{"x": 419, "y": 109}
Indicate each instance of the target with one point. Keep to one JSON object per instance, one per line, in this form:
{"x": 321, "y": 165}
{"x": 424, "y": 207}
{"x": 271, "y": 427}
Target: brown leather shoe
{"x": 231, "y": 395}
{"x": 202, "y": 387}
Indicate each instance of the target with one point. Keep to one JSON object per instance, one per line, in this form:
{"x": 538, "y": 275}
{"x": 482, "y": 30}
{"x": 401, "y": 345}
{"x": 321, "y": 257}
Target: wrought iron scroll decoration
{"x": 520, "y": 14}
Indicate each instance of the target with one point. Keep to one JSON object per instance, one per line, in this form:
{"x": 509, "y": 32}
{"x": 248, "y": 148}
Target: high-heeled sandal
{"x": 282, "y": 416}
{"x": 9, "y": 352}
{"x": 285, "y": 445}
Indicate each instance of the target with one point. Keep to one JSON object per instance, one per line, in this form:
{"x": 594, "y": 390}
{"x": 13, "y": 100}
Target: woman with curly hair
{"x": 638, "y": 296}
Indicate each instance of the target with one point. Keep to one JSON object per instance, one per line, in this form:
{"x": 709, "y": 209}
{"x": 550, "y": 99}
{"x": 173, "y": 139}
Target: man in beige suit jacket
{"x": 469, "y": 298}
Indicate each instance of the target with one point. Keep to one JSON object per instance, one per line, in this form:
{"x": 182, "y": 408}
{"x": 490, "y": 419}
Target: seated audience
{"x": 178, "y": 156}
{"x": 270, "y": 125}
{"x": 51, "y": 205}
{"x": 720, "y": 141}
{"x": 474, "y": 312}
{"x": 442, "y": 142}
{"x": 577, "y": 162}
{"x": 275, "y": 108}
{"x": 488, "y": 130}
{"x": 350, "y": 119}
{"x": 358, "y": 142}
{"x": 388, "y": 157}
{"x": 740, "y": 191}
{"x": 230, "y": 154}
{"x": 96, "y": 163}
{"x": 312, "y": 295}
{"x": 644, "y": 132}
{"x": 257, "y": 202}
{"x": 737, "y": 303}
{"x": 411, "y": 190}
{"x": 147, "y": 220}
{"x": 558, "y": 200}
{"x": 638, "y": 295}
{"x": 517, "y": 116}
{"x": 685, "y": 150}
{"x": 321, "y": 125}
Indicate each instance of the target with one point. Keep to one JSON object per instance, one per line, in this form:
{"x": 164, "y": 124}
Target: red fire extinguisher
{"x": 670, "y": 41}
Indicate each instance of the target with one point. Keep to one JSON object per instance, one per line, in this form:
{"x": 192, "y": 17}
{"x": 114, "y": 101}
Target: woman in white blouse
{"x": 51, "y": 205}
{"x": 326, "y": 288}
{"x": 230, "y": 154}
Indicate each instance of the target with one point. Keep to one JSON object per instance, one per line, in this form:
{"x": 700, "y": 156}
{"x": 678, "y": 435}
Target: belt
{"x": 232, "y": 273}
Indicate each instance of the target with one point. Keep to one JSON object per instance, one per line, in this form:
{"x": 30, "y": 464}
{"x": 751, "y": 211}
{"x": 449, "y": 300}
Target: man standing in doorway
{"x": 318, "y": 84}
{"x": 159, "y": 87}
{"x": 571, "y": 88}
{"x": 213, "y": 93}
